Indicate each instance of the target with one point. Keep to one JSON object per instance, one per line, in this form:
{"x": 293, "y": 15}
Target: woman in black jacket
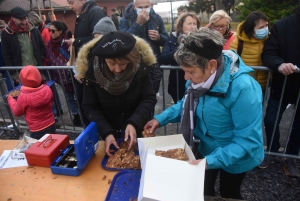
{"x": 118, "y": 94}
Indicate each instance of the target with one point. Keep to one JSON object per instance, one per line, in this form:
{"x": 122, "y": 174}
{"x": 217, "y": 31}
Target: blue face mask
{"x": 261, "y": 33}
{"x": 138, "y": 10}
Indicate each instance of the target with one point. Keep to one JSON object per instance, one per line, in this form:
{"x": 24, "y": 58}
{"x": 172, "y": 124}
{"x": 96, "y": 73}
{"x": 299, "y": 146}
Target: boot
{"x": 76, "y": 120}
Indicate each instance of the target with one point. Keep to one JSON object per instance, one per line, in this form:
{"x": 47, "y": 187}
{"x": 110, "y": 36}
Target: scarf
{"x": 113, "y": 84}
{"x": 191, "y": 102}
{"x": 56, "y": 43}
{"x": 15, "y": 28}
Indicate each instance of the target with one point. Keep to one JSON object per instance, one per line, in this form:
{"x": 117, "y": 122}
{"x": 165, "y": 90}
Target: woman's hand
{"x": 196, "y": 162}
{"x": 131, "y": 132}
{"x": 153, "y": 125}
{"x": 110, "y": 139}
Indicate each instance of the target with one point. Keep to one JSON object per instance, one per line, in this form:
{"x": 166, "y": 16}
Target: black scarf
{"x": 190, "y": 105}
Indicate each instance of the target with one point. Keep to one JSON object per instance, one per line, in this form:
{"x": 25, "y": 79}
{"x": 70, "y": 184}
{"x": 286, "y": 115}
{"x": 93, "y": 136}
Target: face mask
{"x": 262, "y": 33}
{"x": 138, "y": 10}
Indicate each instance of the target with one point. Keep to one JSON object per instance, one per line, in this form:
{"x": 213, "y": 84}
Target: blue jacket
{"x": 128, "y": 24}
{"x": 230, "y": 128}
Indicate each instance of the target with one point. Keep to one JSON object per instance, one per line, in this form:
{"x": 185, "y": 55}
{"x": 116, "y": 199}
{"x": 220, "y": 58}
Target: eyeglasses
{"x": 219, "y": 27}
{"x": 52, "y": 30}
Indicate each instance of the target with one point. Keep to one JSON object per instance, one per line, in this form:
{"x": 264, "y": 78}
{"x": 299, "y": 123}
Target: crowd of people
{"x": 217, "y": 97}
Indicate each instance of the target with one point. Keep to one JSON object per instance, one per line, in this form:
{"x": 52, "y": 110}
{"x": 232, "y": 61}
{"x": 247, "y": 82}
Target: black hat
{"x": 115, "y": 44}
{"x": 18, "y": 12}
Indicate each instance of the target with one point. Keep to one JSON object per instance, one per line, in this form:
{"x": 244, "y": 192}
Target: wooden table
{"x": 38, "y": 183}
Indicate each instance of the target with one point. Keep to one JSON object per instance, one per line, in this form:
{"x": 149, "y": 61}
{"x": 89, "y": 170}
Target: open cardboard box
{"x": 168, "y": 179}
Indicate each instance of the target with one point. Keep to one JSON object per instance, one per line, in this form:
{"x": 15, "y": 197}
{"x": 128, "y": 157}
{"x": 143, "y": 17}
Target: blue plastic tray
{"x": 49, "y": 83}
{"x": 112, "y": 147}
{"x": 124, "y": 186}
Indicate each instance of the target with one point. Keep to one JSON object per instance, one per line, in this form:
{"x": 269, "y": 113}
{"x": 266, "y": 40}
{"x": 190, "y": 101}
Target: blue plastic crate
{"x": 112, "y": 147}
{"x": 124, "y": 186}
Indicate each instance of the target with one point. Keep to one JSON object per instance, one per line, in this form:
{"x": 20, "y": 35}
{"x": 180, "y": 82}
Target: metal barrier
{"x": 261, "y": 68}
{"x": 16, "y": 127}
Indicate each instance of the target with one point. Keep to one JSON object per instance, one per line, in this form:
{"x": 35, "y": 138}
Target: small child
{"x": 35, "y": 102}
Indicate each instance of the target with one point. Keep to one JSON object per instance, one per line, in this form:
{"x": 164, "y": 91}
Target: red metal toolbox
{"x": 46, "y": 149}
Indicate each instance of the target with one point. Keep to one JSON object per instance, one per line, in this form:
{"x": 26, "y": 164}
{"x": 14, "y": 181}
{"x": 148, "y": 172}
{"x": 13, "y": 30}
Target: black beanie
{"x": 18, "y": 12}
{"x": 115, "y": 44}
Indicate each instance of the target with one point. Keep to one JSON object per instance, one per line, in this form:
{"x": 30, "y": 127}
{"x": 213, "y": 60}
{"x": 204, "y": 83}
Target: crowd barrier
{"x": 11, "y": 123}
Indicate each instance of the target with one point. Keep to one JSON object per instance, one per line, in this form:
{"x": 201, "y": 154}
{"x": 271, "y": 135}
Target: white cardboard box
{"x": 166, "y": 179}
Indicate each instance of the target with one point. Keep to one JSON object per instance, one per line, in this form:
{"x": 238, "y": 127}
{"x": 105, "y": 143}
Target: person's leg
{"x": 269, "y": 120}
{"x": 79, "y": 90}
{"x": 230, "y": 184}
{"x": 8, "y": 80}
{"x": 70, "y": 97}
{"x": 209, "y": 182}
{"x": 57, "y": 112}
{"x": 294, "y": 141}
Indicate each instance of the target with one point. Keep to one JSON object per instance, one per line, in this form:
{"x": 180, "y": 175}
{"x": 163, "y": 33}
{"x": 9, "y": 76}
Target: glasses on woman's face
{"x": 220, "y": 27}
{"x": 52, "y": 30}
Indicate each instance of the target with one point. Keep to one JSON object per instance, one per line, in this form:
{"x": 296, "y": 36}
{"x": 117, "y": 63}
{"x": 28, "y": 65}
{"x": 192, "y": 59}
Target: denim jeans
{"x": 8, "y": 80}
{"x": 71, "y": 101}
{"x": 55, "y": 96}
{"x": 269, "y": 120}
{"x": 49, "y": 130}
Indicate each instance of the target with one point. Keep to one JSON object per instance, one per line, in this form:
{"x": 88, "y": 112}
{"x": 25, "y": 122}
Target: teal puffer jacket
{"x": 230, "y": 128}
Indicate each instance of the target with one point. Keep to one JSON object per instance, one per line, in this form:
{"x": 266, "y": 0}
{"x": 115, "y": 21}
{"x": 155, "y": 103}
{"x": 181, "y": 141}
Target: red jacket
{"x": 36, "y": 105}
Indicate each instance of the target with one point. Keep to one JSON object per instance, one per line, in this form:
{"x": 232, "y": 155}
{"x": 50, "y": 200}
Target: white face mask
{"x": 138, "y": 10}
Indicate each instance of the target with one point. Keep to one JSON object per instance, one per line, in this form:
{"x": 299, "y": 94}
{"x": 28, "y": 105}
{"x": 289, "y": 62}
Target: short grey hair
{"x": 186, "y": 58}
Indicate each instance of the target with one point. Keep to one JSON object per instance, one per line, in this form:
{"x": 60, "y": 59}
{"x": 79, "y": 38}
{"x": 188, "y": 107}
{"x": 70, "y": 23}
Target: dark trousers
{"x": 269, "y": 120}
{"x": 230, "y": 184}
{"x": 49, "y": 130}
{"x": 79, "y": 90}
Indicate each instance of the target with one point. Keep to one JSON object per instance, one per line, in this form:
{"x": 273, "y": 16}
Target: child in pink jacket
{"x": 34, "y": 102}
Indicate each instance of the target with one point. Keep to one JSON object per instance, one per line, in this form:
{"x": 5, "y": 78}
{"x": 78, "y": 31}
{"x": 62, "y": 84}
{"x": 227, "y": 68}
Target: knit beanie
{"x": 2, "y": 24}
{"x": 34, "y": 18}
{"x": 104, "y": 26}
{"x": 30, "y": 76}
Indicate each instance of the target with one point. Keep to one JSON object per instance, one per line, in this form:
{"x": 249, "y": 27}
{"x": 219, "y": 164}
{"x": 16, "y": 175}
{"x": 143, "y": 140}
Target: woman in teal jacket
{"x": 228, "y": 111}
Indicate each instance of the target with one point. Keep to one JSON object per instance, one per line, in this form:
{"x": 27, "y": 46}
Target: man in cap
{"x": 22, "y": 44}
{"x": 88, "y": 14}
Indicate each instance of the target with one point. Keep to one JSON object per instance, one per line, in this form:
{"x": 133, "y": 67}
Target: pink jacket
{"x": 36, "y": 105}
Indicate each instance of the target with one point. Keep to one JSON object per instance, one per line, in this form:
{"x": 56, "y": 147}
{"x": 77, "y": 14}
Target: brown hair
{"x": 132, "y": 57}
{"x": 180, "y": 20}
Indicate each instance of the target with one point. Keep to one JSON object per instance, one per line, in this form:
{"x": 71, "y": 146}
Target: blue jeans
{"x": 49, "y": 130}
{"x": 55, "y": 94}
{"x": 8, "y": 80}
{"x": 71, "y": 101}
{"x": 269, "y": 120}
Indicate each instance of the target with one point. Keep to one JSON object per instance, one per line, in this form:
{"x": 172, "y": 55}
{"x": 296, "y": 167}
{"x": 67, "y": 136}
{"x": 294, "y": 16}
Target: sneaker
{"x": 290, "y": 168}
{"x": 267, "y": 160}
{"x": 57, "y": 124}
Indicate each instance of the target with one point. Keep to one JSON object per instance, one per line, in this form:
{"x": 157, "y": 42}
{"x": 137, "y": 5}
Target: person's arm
{"x": 270, "y": 55}
{"x": 247, "y": 128}
{"x": 162, "y": 32}
{"x": 42, "y": 46}
{"x": 145, "y": 108}
{"x": 6, "y": 52}
{"x": 156, "y": 75}
{"x": 134, "y": 29}
{"x": 234, "y": 44}
{"x": 95, "y": 14}
{"x": 171, "y": 114}
{"x": 16, "y": 105}
{"x": 93, "y": 111}
{"x": 167, "y": 55}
